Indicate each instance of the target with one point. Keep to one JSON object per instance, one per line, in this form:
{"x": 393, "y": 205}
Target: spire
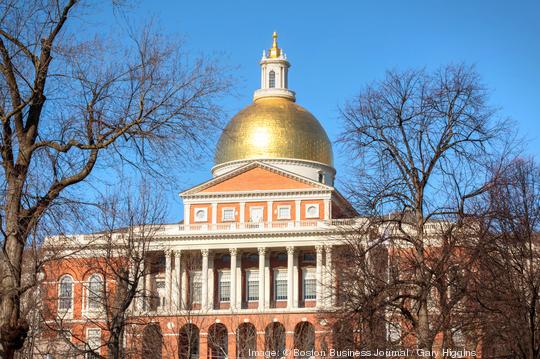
{"x": 275, "y": 51}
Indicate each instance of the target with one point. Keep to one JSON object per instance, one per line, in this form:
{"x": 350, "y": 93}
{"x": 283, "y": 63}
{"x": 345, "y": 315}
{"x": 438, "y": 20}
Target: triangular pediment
{"x": 256, "y": 177}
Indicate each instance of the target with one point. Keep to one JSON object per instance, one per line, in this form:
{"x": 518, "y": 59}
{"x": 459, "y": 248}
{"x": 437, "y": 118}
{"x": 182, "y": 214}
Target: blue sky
{"x": 338, "y": 47}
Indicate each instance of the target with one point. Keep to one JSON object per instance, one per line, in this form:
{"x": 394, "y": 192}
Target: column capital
{"x": 233, "y": 251}
{"x": 205, "y": 252}
{"x": 328, "y": 248}
{"x": 177, "y": 252}
{"x": 319, "y": 248}
{"x": 290, "y": 249}
{"x": 262, "y": 251}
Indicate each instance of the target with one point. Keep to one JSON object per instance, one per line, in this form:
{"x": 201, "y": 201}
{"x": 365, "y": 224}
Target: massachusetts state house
{"x": 247, "y": 273}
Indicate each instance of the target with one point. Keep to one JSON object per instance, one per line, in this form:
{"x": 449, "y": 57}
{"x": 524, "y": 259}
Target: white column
{"x": 186, "y": 213}
{"x": 242, "y": 212}
{"x": 329, "y": 282}
{"x": 140, "y": 292}
{"x": 239, "y": 282}
{"x": 297, "y": 210}
{"x": 262, "y": 286}
{"x": 290, "y": 277}
{"x": 270, "y": 212}
{"x": 233, "y": 252}
{"x": 204, "y": 270}
{"x": 148, "y": 289}
{"x": 211, "y": 281}
{"x": 184, "y": 284}
{"x": 319, "y": 293}
{"x": 176, "y": 298}
{"x": 168, "y": 262}
{"x": 267, "y": 281}
{"x": 327, "y": 209}
{"x": 295, "y": 281}
{"x": 214, "y": 213}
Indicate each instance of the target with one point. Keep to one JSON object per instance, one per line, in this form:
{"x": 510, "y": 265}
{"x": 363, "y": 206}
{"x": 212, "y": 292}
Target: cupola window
{"x": 272, "y": 79}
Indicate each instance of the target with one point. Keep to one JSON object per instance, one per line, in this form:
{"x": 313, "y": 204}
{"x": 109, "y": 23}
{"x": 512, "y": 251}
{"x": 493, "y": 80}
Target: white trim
{"x": 288, "y": 206}
{"x": 317, "y": 209}
{"x": 65, "y": 313}
{"x": 93, "y": 312}
{"x": 228, "y": 209}
{"x": 205, "y": 214}
{"x": 251, "y": 208}
{"x": 274, "y": 284}
{"x": 87, "y": 337}
{"x": 247, "y": 167}
{"x": 221, "y": 273}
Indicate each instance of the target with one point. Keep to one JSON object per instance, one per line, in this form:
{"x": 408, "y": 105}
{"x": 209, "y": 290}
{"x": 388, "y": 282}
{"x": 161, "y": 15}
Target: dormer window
{"x": 272, "y": 79}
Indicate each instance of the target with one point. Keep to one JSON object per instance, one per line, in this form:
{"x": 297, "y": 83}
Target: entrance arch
{"x": 188, "y": 342}
{"x": 304, "y": 339}
{"x": 218, "y": 343}
{"x": 274, "y": 340}
{"x": 152, "y": 342}
{"x": 246, "y": 341}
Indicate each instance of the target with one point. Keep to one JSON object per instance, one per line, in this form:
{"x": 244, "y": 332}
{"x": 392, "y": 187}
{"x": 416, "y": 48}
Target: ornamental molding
{"x": 248, "y": 166}
{"x": 284, "y": 161}
{"x": 254, "y": 195}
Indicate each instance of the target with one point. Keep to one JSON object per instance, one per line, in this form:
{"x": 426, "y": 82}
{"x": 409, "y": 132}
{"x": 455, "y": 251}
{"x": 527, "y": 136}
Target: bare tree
{"x": 118, "y": 258}
{"x": 67, "y": 105}
{"x": 507, "y": 283}
{"x": 420, "y": 142}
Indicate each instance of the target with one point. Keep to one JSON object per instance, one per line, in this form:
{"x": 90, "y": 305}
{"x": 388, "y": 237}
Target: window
{"x": 256, "y": 214}
{"x": 227, "y": 215}
{"x": 312, "y": 211}
{"x": 272, "y": 79}
{"x": 195, "y": 287}
{"x": 201, "y": 215}
{"x": 94, "y": 293}
{"x": 309, "y": 283}
{"x": 309, "y": 257}
{"x": 160, "y": 295}
{"x": 224, "y": 286}
{"x": 93, "y": 343}
{"x": 65, "y": 295}
{"x": 280, "y": 285}
{"x": 252, "y": 285}
{"x": 284, "y": 212}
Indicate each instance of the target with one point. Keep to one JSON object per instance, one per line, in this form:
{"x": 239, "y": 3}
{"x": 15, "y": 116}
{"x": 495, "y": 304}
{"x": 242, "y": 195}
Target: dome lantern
{"x": 274, "y": 73}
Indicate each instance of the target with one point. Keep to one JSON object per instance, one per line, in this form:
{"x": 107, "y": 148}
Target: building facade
{"x": 248, "y": 271}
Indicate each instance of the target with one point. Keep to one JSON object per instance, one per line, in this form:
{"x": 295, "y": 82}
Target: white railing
{"x": 256, "y": 226}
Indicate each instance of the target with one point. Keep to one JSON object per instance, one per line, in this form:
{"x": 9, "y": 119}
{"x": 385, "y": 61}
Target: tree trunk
{"x": 13, "y": 330}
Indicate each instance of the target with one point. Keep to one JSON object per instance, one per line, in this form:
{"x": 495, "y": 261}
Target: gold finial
{"x": 275, "y": 51}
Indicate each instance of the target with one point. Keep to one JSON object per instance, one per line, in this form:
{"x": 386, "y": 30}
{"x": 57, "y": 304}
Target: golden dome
{"x": 273, "y": 127}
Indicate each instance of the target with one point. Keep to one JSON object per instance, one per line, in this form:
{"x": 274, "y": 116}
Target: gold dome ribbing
{"x": 273, "y": 128}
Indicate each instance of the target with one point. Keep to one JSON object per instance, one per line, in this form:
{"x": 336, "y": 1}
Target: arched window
{"x": 94, "y": 292}
{"x": 272, "y": 79}
{"x": 65, "y": 295}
